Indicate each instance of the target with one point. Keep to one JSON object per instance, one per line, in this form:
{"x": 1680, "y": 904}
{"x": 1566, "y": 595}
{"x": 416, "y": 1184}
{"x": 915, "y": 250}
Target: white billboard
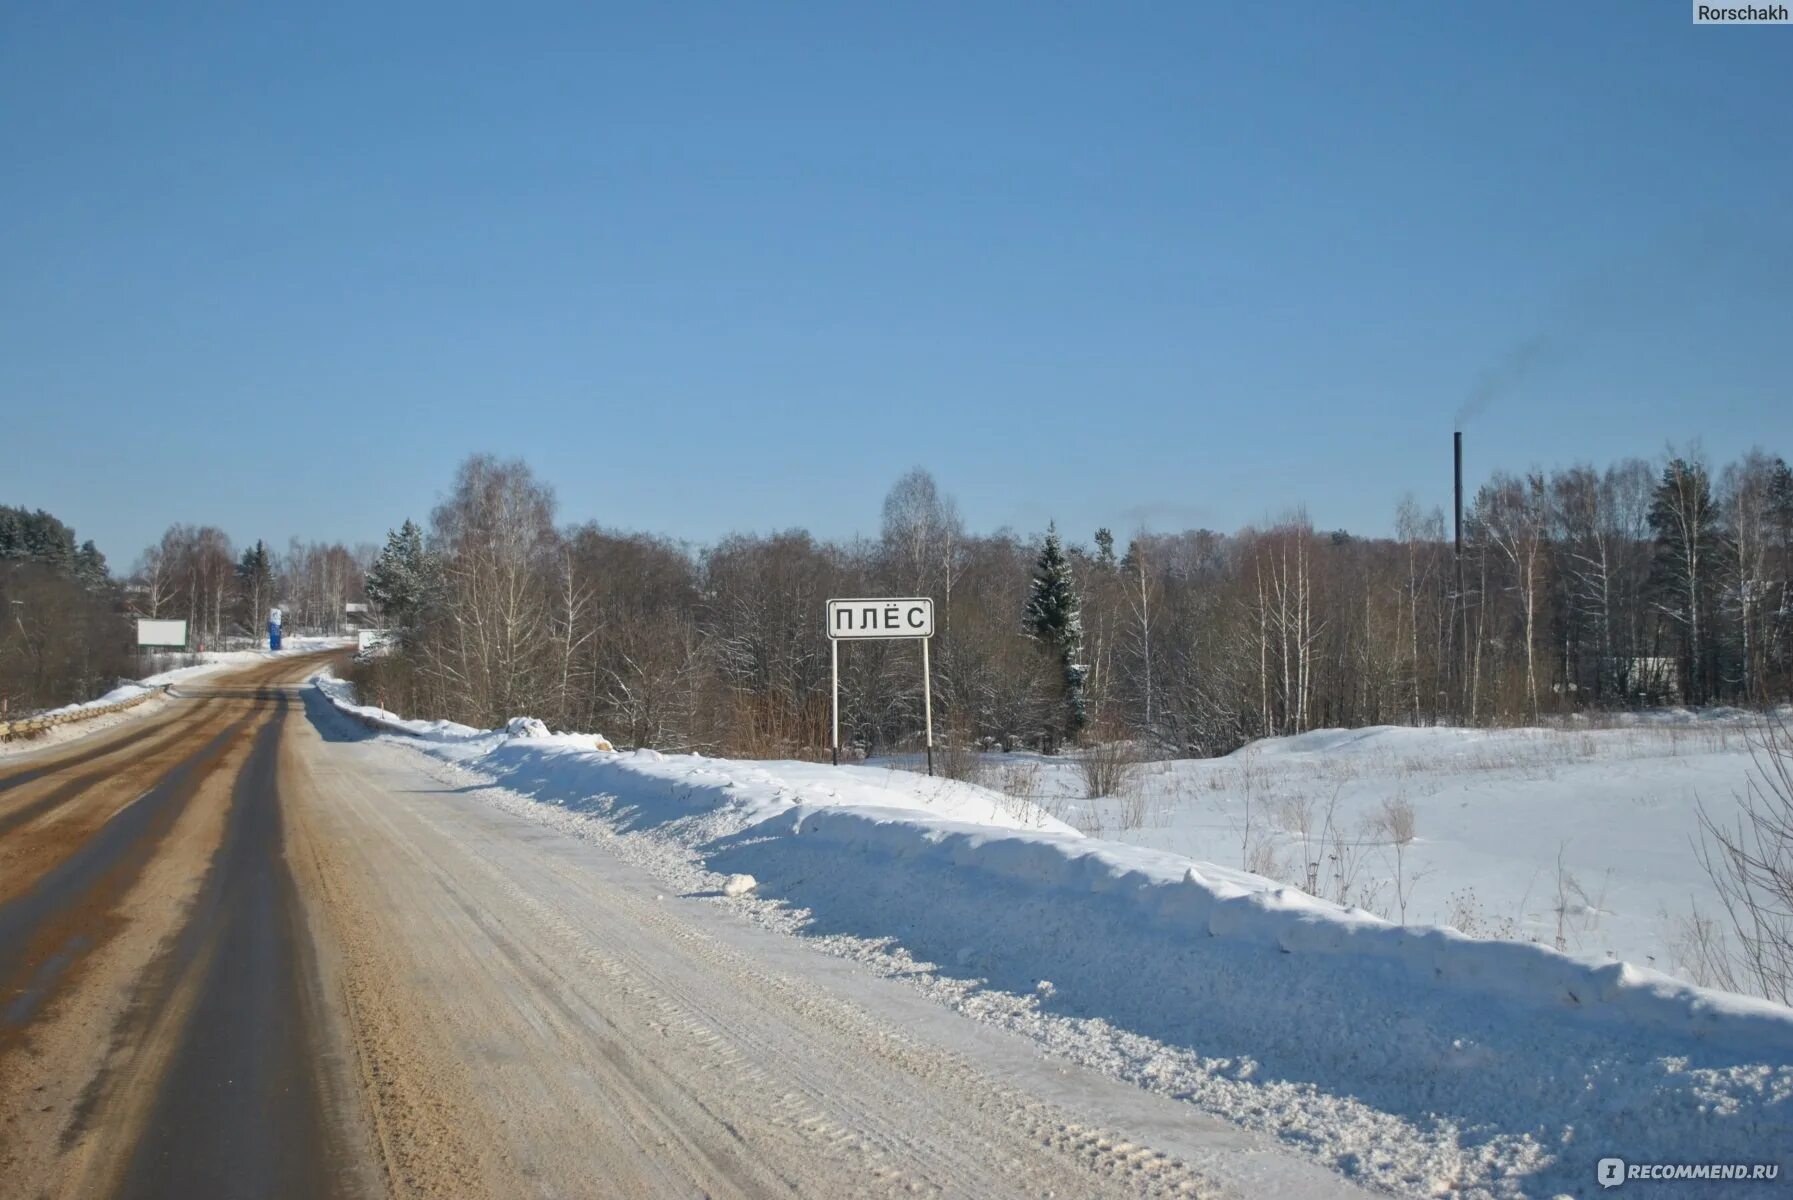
{"x": 903, "y": 617}
{"x": 161, "y": 633}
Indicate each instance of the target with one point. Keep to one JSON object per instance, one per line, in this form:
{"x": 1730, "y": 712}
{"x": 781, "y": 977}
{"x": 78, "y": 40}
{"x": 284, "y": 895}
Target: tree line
{"x": 195, "y": 574}
{"x": 66, "y": 622}
{"x": 1583, "y": 588}
{"x": 60, "y": 636}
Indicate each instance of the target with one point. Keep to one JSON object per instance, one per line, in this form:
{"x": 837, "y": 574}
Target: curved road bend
{"x": 246, "y": 952}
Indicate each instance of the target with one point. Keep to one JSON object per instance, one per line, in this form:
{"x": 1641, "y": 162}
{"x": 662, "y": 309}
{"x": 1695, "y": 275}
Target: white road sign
{"x": 904, "y": 617}
{"x": 161, "y": 633}
{"x": 883, "y": 617}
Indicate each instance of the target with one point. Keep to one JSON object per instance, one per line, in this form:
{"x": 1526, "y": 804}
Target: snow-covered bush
{"x": 1751, "y": 864}
{"x": 1109, "y": 767}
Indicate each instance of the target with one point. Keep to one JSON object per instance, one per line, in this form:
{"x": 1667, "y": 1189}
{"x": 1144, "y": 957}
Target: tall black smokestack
{"x": 1458, "y": 601}
{"x": 1457, "y": 455}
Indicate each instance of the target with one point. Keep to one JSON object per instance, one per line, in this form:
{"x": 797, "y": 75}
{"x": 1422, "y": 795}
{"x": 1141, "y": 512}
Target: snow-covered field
{"x": 1576, "y": 837}
{"x": 1418, "y": 1060}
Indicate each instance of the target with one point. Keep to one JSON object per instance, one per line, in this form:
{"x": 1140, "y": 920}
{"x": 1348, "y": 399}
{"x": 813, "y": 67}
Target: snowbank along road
{"x": 245, "y": 951}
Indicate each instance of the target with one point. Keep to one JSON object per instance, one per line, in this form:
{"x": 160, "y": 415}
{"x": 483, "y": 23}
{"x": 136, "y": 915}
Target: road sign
{"x": 161, "y": 633}
{"x": 904, "y": 617}
{"x": 883, "y": 617}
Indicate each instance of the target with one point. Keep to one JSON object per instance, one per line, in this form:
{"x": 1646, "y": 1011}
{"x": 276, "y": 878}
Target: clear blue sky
{"x": 279, "y": 267}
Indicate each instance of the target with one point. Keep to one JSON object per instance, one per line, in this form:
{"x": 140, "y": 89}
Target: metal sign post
{"x": 902, "y": 617}
{"x": 927, "y": 702}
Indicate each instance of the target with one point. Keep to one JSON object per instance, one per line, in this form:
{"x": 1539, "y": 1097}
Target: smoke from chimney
{"x": 1508, "y": 373}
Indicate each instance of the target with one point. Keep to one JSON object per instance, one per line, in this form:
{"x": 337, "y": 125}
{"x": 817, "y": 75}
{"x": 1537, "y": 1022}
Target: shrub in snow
{"x": 738, "y": 885}
{"x": 1110, "y": 768}
{"x": 1750, "y": 861}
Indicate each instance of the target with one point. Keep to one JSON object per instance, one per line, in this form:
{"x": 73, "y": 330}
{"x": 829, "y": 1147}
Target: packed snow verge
{"x": 341, "y": 694}
{"x": 1202, "y": 900}
{"x": 1415, "y": 1058}
{"x": 124, "y": 693}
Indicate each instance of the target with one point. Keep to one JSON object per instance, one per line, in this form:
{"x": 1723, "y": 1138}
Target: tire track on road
{"x": 238, "y": 1108}
{"x": 97, "y": 768}
{"x": 71, "y": 908}
{"x": 160, "y": 1017}
{"x": 82, "y": 753}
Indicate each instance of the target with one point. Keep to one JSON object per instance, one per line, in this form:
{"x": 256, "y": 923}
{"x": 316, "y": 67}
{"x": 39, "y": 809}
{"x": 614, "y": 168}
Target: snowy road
{"x": 245, "y": 951}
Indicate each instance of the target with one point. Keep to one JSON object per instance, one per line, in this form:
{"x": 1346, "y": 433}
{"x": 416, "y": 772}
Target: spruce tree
{"x": 90, "y": 567}
{"x": 1105, "y": 549}
{"x": 255, "y": 585}
{"x": 36, "y": 537}
{"x": 1780, "y": 501}
{"x": 1052, "y": 618}
{"x": 406, "y": 580}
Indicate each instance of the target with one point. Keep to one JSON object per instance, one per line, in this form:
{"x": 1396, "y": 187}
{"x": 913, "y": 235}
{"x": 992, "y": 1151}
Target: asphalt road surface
{"x": 247, "y": 952}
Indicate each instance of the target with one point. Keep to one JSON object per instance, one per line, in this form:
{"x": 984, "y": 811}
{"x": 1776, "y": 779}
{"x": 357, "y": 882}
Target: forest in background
{"x": 1579, "y": 589}
{"x": 1635, "y": 585}
{"x": 69, "y": 635}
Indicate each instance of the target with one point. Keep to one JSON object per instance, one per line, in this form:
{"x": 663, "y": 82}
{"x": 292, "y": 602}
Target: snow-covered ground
{"x": 1418, "y": 1060}
{"x": 1577, "y": 837}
